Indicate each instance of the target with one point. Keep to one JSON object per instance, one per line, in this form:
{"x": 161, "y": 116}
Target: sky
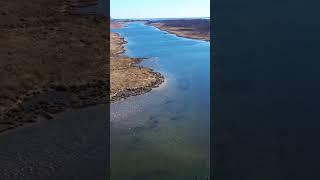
{"x": 122, "y": 9}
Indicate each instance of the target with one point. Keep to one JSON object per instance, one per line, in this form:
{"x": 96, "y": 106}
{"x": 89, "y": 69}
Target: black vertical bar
{"x": 266, "y": 113}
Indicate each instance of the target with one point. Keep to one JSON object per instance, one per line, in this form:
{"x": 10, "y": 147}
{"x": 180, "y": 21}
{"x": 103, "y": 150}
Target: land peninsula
{"x": 188, "y": 28}
{"x": 127, "y": 78}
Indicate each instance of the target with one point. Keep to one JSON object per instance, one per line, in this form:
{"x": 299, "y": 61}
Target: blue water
{"x": 164, "y": 134}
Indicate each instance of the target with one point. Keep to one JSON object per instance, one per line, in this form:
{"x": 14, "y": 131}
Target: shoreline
{"x": 139, "y": 79}
{"x": 49, "y": 95}
{"x": 183, "y": 32}
{"x": 51, "y": 101}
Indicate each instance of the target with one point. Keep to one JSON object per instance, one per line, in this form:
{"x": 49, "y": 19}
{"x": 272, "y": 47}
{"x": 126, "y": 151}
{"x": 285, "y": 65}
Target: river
{"x": 164, "y": 134}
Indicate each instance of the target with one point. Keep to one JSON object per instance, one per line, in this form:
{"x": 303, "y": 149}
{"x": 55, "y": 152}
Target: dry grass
{"x": 194, "y": 32}
{"x": 125, "y": 75}
{"x": 42, "y": 44}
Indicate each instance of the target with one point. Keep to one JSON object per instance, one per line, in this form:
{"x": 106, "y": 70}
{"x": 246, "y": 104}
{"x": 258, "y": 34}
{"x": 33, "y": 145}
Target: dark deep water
{"x": 165, "y": 133}
{"x": 266, "y": 122}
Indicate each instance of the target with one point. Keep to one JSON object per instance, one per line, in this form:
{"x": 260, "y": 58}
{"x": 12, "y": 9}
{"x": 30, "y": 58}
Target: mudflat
{"x": 189, "y": 28}
{"x": 127, "y": 78}
{"x": 52, "y": 58}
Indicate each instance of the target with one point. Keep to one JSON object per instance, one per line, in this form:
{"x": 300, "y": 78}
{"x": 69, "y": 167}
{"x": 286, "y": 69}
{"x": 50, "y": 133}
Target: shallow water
{"x": 164, "y": 134}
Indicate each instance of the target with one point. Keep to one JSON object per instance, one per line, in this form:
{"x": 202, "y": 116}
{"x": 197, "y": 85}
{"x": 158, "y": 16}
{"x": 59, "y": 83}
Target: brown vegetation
{"x": 189, "y": 28}
{"x": 126, "y": 77}
{"x": 44, "y": 47}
